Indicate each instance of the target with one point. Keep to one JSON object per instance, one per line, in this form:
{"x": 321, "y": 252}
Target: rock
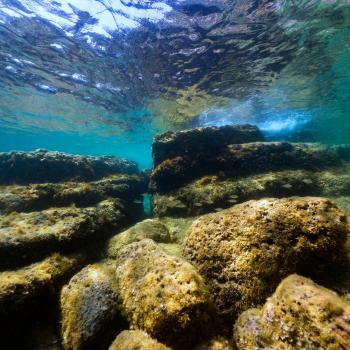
{"x": 43, "y": 196}
{"x": 201, "y": 140}
{"x": 244, "y": 252}
{"x": 210, "y": 193}
{"x": 26, "y": 236}
{"x": 43, "y": 166}
{"x": 136, "y": 340}
{"x": 217, "y": 343}
{"x": 299, "y": 315}
{"x": 21, "y": 288}
{"x": 150, "y": 228}
{"x": 241, "y": 160}
{"x": 162, "y": 294}
{"x": 89, "y": 308}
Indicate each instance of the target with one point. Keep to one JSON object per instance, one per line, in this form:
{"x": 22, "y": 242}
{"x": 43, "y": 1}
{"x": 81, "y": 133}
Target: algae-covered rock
{"x": 27, "y": 235}
{"x": 21, "y": 288}
{"x": 162, "y": 294}
{"x": 244, "y": 252}
{"x": 210, "y": 193}
{"x": 89, "y": 308}
{"x": 208, "y": 140}
{"x": 217, "y": 343}
{"x": 149, "y": 228}
{"x": 82, "y": 194}
{"x": 136, "y": 340}
{"x": 243, "y": 159}
{"x": 300, "y": 315}
{"x": 43, "y": 166}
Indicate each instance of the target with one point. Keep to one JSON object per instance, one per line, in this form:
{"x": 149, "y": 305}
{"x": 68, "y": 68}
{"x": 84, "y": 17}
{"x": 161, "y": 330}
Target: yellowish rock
{"x": 300, "y": 315}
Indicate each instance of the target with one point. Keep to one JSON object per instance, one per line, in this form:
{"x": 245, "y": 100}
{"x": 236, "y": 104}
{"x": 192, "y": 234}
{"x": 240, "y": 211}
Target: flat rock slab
{"x": 24, "y": 235}
{"x": 82, "y": 194}
{"x": 208, "y": 140}
{"x": 299, "y": 315}
{"x": 162, "y": 294}
{"x": 212, "y": 193}
{"x": 245, "y": 251}
{"x": 43, "y": 166}
{"x": 242, "y": 160}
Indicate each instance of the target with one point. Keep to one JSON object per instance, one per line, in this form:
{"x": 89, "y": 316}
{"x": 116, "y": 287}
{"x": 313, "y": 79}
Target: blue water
{"x": 81, "y": 80}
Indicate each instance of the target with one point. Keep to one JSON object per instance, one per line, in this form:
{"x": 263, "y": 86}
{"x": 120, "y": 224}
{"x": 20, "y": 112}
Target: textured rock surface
{"x": 43, "y": 166}
{"x": 43, "y": 196}
{"x": 238, "y": 160}
{"x": 136, "y": 340}
{"x": 26, "y": 235}
{"x": 218, "y": 343}
{"x": 150, "y": 228}
{"x": 208, "y": 140}
{"x": 89, "y": 308}
{"x": 245, "y": 251}
{"x": 22, "y": 287}
{"x": 300, "y": 315}
{"x": 211, "y": 193}
{"x": 161, "y": 294}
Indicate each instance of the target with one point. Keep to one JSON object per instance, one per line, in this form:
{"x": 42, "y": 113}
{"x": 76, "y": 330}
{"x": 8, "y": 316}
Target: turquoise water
{"x": 81, "y": 80}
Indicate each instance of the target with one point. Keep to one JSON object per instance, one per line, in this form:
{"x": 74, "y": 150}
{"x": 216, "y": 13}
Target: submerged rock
{"x": 299, "y": 315}
{"x": 237, "y": 160}
{"x": 210, "y": 193}
{"x": 21, "y": 288}
{"x": 162, "y": 294}
{"x": 136, "y": 340}
{"x": 244, "y": 252}
{"x": 89, "y": 308}
{"x": 208, "y": 140}
{"x": 43, "y": 166}
{"x": 82, "y": 194}
{"x": 217, "y": 343}
{"x": 149, "y": 228}
{"x": 24, "y": 236}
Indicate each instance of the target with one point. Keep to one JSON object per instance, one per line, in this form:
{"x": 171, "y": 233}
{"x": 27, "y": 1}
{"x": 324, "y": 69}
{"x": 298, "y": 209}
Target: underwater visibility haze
{"x": 174, "y": 174}
{"x": 103, "y": 77}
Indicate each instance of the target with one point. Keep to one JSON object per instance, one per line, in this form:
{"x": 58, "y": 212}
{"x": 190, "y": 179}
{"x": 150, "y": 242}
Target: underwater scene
{"x": 175, "y": 175}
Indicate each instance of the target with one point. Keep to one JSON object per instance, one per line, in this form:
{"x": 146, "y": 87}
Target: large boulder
{"x": 136, "y": 340}
{"x": 242, "y": 159}
{"x": 210, "y": 193}
{"x": 162, "y": 294}
{"x": 24, "y": 236}
{"x": 299, "y": 315}
{"x": 149, "y": 228}
{"x": 43, "y": 166}
{"x": 35, "y": 197}
{"x": 244, "y": 252}
{"x": 208, "y": 140}
{"x": 89, "y": 308}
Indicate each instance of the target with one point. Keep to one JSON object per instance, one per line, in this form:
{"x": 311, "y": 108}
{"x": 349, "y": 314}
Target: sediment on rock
{"x": 136, "y": 340}
{"x": 243, "y": 159}
{"x": 43, "y": 166}
{"x": 162, "y": 295}
{"x": 208, "y": 140}
{"x": 244, "y": 252}
{"x": 299, "y": 315}
{"x": 210, "y": 193}
{"x": 128, "y": 188}
{"x": 89, "y": 308}
{"x": 25, "y": 236}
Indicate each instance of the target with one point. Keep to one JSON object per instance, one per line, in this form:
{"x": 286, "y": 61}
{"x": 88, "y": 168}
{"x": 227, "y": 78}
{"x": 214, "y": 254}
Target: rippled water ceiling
{"x": 99, "y": 76}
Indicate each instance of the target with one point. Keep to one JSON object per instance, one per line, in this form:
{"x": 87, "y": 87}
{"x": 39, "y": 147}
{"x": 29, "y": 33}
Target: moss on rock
{"x": 136, "y": 340}
{"x": 89, "y": 308}
{"x": 299, "y": 315}
{"x": 161, "y": 294}
{"x": 244, "y": 252}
